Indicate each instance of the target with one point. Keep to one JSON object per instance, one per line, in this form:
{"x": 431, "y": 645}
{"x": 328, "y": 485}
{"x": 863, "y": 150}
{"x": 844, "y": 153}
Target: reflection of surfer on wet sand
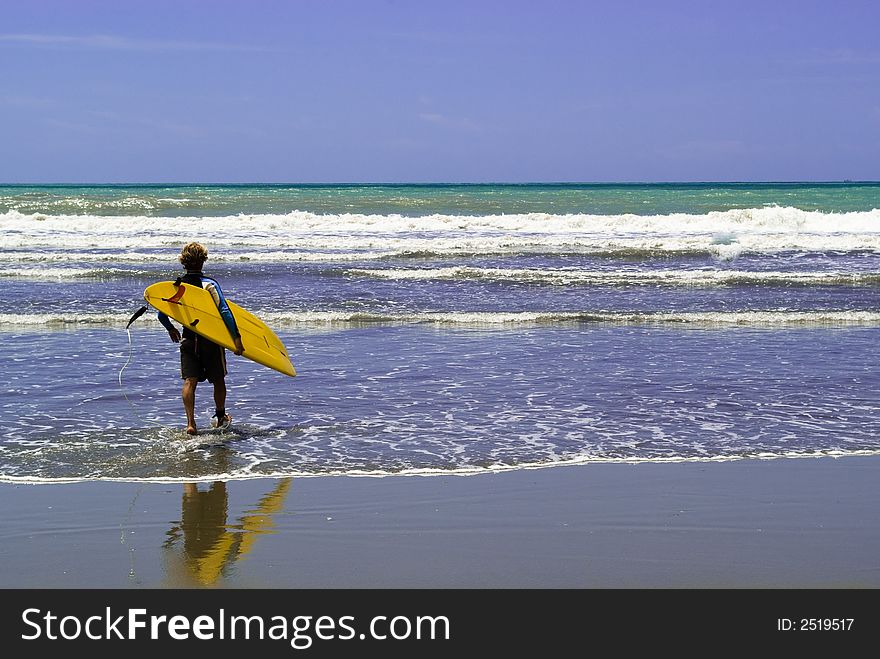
{"x": 210, "y": 546}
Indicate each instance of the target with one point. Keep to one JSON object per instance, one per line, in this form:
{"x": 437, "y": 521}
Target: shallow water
{"x": 403, "y": 399}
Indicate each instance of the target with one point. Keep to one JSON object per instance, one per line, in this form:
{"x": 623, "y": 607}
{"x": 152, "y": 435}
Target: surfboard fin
{"x": 137, "y": 314}
{"x": 176, "y": 297}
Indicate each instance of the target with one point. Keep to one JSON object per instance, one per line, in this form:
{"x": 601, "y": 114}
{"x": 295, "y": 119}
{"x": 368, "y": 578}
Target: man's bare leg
{"x": 220, "y": 397}
{"x": 189, "y": 404}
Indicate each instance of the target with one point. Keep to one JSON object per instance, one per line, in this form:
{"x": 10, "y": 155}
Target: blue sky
{"x": 446, "y": 91}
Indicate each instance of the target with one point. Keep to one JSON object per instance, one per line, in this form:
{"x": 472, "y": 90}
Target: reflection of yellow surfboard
{"x": 194, "y": 308}
{"x": 211, "y": 545}
{"x": 233, "y": 544}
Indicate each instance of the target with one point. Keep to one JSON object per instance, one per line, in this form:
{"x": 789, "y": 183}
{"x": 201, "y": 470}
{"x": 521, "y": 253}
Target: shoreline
{"x": 464, "y": 472}
{"x": 781, "y": 523}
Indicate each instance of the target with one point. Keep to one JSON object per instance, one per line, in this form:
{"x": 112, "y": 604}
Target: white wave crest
{"x": 567, "y": 277}
{"x": 305, "y": 319}
{"x": 168, "y": 257}
{"x": 59, "y": 274}
{"x": 61, "y": 319}
{"x": 725, "y": 233}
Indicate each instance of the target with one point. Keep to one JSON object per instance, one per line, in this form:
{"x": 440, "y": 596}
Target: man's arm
{"x": 225, "y": 312}
{"x": 167, "y": 324}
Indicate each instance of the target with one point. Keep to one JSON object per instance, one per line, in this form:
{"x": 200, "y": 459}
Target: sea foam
{"x": 759, "y": 230}
{"x": 495, "y": 319}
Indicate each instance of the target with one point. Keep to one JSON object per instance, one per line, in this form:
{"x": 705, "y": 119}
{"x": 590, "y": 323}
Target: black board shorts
{"x": 202, "y": 359}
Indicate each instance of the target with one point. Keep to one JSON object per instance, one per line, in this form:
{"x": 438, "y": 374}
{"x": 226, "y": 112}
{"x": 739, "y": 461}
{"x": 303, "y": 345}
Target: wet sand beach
{"x": 783, "y": 523}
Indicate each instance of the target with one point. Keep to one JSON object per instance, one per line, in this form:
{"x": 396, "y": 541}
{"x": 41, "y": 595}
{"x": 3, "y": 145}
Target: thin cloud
{"x": 847, "y": 56}
{"x": 28, "y": 102}
{"x": 850, "y": 56}
{"x": 111, "y": 42}
{"x": 452, "y": 122}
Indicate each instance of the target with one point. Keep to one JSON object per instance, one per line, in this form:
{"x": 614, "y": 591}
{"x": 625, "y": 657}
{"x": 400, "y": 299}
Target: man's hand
{"x": 239, "y": 349}
{"x": 174, "y": 334}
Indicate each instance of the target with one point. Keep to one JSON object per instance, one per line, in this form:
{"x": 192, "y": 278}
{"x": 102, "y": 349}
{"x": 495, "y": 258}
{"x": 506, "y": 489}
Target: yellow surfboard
{"x": 194, "y": 308}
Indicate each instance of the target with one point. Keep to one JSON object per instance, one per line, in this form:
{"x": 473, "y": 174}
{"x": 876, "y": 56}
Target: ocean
{"x": 444, "y": 329}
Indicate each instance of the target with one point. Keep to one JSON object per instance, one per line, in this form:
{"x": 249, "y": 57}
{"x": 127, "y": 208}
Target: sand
{"x": 785, "y": 523}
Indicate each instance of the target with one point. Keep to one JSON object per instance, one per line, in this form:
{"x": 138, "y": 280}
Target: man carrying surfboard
{"x": 201, "y": 359}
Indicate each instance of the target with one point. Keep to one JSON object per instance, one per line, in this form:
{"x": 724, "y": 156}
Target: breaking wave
{"x": 295, "y": 235}
{"x": 305, "y": 319}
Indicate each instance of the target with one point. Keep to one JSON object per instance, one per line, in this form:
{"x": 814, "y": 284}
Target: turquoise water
{"x": 413, "y": 200}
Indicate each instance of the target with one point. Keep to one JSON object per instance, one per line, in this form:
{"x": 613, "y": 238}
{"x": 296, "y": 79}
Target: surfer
{"x": 201, "y": 359}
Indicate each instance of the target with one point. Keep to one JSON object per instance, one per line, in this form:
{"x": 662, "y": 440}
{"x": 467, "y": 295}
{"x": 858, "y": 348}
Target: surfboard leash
{"x": 137, "y": 314}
